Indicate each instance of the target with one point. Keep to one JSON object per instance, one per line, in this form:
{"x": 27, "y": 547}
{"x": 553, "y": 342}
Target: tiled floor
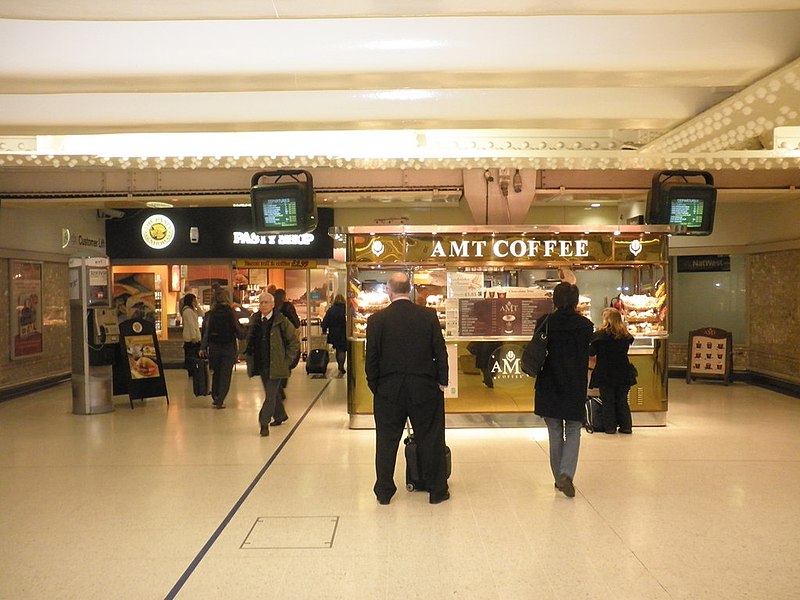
{"x": 159, "y": 502}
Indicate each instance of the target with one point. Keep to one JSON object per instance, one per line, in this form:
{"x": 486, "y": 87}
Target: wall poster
{"x": 134, "y": 296}
{"x": 25, "y": 295}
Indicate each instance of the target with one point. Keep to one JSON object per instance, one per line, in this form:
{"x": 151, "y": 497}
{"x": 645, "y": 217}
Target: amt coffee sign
{"x": 505, "y": 363}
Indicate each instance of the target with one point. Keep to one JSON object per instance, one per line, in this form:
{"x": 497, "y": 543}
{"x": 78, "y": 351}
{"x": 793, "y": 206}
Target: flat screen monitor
{"x": 687, "y": 212}
{"x": 283, "y": 208}
{"x": 691, "y": 206}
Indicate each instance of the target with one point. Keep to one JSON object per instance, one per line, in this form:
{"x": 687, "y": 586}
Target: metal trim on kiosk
{"x": 641, "y": 250}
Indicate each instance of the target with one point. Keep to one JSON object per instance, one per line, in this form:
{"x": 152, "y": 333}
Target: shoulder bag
{"x": 535, "y": 354}
{"x": 633, "y": 374}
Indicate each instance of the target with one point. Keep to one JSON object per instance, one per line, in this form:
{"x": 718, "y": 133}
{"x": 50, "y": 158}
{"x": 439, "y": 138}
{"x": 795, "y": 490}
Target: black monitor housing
{"x": 286, "y": 206}
{"x": 690, "y": 206}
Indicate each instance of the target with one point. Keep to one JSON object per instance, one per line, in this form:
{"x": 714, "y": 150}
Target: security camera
{"x": 109, "y": 213}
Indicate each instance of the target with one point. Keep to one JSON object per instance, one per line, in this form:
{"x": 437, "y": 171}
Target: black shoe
{"x": 439, "y": 498}
{"x": 384, "y": 501}
{"x": 628, "y": 431}
{"x": 276, "y": 422}
{"x": 264, "y": 430}
{"x": 564, "y": 483}
{"x": 610, "y": 431}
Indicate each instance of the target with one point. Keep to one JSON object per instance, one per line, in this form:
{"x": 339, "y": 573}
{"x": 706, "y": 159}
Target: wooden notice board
{"x": 710, "y": 355}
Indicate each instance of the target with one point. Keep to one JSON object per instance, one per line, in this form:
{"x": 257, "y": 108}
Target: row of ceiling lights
{"x": 621, "y": 160}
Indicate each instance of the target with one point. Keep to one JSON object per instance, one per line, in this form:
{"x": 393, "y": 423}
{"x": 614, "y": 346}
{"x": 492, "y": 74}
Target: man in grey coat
{"x": 273, "y": 344}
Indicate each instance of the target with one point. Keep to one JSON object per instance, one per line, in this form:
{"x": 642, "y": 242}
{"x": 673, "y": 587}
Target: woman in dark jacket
{"x": 334, "y": 323}
{"x": 560, "y": 387}
{"x": 611, "y": 372}
{"x": 221, "y": 331}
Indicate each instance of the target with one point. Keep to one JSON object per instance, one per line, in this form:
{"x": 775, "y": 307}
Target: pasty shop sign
{"x": 515, "y": 248}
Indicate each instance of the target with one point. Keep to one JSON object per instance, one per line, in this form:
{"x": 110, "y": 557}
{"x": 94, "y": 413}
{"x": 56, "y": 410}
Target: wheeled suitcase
{"x": 593, "y": 420}
{"x": 317, "y": 361}
{"x": 414, "y": 480}
{"x": 201, "y": 377}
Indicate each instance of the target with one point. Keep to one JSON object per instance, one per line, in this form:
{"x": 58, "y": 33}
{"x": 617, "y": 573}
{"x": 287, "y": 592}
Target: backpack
{"x": 222, "y": 329}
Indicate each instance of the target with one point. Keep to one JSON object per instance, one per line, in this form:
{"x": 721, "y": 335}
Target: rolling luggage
{"x": 414, "y": 479}
{"x": 593, "y": 420}
{"x": 317, "y": 361}
{"x": 201, "y": 377}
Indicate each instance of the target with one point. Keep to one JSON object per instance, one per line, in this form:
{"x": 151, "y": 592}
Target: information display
{"x": 687, "y": 211}
{"x": 280, "y": 212}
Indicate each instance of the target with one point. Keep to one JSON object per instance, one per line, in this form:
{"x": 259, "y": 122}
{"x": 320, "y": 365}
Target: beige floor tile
{"x": 130, "y": 503}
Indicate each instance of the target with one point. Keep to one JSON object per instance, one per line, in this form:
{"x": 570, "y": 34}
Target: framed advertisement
{"x": 138, "y": 369}
{"x": 25, "y": 296}
{"x": 710, "y": 355}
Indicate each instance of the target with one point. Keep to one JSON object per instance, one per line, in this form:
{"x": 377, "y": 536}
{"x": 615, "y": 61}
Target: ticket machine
{"x": 95, "y": 335}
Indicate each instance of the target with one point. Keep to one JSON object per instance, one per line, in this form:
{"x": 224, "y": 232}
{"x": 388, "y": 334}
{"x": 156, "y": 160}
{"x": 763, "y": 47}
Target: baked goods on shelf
{"x": 644, "y": 314}
{"x": 365, "y": 304}
{"x": 372, "y": 301}
{"x": 584, "y": 306}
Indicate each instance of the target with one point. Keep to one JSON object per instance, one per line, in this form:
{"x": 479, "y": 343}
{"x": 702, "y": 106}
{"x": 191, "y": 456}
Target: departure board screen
{"x": 279, "y": 212}
{"x": 687, "y": 211}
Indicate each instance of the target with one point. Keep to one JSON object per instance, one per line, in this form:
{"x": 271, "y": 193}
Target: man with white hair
{"x": 272, "y": 343}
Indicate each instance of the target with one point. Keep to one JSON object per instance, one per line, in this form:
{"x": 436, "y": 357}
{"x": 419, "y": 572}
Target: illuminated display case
{"x": 489, "y": 288}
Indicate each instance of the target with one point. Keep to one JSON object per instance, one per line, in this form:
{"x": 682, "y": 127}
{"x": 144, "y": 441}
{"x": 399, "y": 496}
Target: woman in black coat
{"x": 334, "y": 323}
{"x": 611, "y": 373}
{"x": 560, "y": 389}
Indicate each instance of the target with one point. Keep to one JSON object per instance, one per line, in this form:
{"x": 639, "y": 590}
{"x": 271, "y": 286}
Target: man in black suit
{"x": 406, "y": 366}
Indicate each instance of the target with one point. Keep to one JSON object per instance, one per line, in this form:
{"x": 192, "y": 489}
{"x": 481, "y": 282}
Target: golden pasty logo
{"x": 158, "y": 231}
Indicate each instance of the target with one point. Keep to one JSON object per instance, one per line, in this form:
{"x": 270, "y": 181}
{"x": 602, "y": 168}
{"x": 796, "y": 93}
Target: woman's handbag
{"x": 632, "y": 375}
{"x": 535, "y": 353}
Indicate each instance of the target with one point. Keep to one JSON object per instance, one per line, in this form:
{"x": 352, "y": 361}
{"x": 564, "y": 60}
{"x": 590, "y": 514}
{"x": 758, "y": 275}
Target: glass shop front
{"x": 209, "y": 247}
{"x": 490, "y": 287}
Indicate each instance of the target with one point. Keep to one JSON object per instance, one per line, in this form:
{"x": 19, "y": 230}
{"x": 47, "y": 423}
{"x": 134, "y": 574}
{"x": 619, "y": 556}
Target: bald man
{"x": 406, "y": 366}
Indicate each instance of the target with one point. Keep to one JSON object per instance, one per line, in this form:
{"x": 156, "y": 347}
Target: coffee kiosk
{"x": 489, "y": 287}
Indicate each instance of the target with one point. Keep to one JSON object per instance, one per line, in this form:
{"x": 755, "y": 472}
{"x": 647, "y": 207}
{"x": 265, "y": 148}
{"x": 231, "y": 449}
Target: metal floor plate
{"x": 291, "y": 533}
